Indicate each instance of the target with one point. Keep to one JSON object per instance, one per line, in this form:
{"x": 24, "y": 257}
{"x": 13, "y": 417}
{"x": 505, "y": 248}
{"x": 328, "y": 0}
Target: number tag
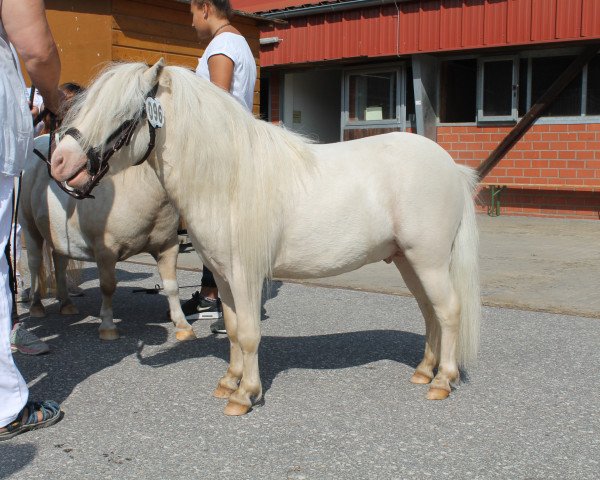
{"x": 155, "y": 113}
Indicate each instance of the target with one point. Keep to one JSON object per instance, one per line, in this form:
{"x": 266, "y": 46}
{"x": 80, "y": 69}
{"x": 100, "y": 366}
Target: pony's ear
{"x": 151, "y": 75}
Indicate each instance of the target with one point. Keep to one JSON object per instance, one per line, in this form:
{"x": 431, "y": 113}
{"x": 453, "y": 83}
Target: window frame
{"x": 527, "y": 55}
{"x": 399, "y": 119}
{"x": 514, "y": 115}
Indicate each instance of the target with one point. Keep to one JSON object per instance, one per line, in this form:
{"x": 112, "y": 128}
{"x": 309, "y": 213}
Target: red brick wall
{"x": 555, "y": 169}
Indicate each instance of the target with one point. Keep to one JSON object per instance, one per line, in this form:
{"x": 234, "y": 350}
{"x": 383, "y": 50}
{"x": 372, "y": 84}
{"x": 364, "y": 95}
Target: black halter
{"x": 98, "y": 157}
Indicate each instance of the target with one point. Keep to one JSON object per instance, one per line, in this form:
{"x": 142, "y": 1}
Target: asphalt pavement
{"x": 335, "y": 363}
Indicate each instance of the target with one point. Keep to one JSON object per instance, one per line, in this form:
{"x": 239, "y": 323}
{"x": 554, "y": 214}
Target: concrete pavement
{"x": 335, "y": 365}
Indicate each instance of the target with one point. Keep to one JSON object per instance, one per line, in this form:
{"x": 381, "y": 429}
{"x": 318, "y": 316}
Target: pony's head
{"x": 108, "y": 116}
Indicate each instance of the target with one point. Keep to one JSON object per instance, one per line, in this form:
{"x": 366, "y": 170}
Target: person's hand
{"x": 35, "y": 111}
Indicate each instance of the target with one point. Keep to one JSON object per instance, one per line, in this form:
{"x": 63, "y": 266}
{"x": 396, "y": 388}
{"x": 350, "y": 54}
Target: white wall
{"x": 312, "y": 104}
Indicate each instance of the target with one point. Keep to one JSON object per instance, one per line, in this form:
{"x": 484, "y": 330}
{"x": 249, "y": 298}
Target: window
{"x": 375, "y": 97}
{"x": 593, "y": 87}
{"x": 372, "y": 96}
{"x": 500, "y": 89}
{"x": 497, "y": 89}
{"x": 544, "y": 71}
{"x": 457, "y": 91}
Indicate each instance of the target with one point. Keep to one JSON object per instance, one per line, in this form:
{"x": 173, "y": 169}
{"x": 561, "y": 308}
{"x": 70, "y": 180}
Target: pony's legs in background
{"x": 62, "y": 293}
{"x": 35, "y": 257}
{"x": 166, "y": 261}
{"x": 434, "y": 276}
{"x": 230, "y": 381}
{"x": 247, "y": 310}
{"x": 424, "y": 372}
{"x": 107, "y": 262}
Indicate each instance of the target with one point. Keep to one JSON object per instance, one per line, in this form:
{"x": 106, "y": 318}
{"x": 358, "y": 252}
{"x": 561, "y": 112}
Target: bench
{"x": 497, "y": 187}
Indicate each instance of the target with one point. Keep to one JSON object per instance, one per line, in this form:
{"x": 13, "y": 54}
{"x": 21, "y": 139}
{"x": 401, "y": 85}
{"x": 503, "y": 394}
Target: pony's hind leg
{"x": 108, "y": 284}
{"x": 166, "y": 261}
{"x": 425, "y": 369}
{"x": 62, "y": 294}
{"x": 444, "y": 301}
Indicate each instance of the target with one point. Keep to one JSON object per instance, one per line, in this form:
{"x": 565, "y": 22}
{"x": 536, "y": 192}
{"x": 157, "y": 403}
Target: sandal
{"x": 51, "y": 413}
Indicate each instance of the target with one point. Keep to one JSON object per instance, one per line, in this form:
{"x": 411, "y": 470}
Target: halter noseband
{"x": 98, "y": 157}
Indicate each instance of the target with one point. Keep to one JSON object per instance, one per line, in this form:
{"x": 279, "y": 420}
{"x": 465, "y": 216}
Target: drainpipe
{"x": 336, "y": 7}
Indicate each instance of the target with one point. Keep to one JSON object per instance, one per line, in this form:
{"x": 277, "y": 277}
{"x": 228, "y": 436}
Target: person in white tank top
{"x": 229, "y": 63}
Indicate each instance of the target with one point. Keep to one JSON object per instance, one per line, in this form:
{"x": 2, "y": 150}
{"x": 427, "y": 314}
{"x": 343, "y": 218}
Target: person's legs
{"x": 209, "y": 287}
{"x": 209, "y": 292}
{"x": 13, "y": 389}
{"x": 204, "y": 304}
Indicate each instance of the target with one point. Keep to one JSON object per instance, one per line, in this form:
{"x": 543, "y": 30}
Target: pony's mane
{"x": 109, "y": 106}
{"x": 248, "y": 169}
{"x": 216, "y": 153}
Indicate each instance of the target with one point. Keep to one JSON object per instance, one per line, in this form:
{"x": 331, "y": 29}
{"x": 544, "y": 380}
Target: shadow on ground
{"x": 77, "y": 353}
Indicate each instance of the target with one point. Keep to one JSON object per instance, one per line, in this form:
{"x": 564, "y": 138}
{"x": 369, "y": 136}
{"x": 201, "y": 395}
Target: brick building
{"x": 462, "y": 72}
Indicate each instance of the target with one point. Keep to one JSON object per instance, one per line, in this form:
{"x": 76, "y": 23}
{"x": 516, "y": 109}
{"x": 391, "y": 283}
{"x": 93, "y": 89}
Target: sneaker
{"x": 218, "y": 326}
{"x": 23, "y": 341}
{"x": 199, "y": 307}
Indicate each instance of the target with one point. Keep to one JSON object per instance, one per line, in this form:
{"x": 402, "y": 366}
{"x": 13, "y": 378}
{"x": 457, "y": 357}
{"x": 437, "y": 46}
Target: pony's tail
{"x": 47, "y": 277}
{"x": 464, "y": 272}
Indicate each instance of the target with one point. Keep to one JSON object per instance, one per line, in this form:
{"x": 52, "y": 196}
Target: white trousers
{"x": 13, "y": 389}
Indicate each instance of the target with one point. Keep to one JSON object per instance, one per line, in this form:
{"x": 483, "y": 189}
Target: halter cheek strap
{"x": 98, "y": 157}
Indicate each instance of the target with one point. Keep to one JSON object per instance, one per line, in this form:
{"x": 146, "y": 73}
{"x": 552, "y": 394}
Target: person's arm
{"x": 220, "y": 68}
{"x": 28, "y": 30}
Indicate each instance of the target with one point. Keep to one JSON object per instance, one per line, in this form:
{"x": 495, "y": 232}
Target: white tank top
{"x": 236, "y": 48}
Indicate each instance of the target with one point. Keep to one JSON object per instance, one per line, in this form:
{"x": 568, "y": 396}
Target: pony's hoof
{"x": 109, "y": 334}
{"x": 183, "y": 335}
{"x": 236, "y": 409}
{"x": 420, "y": 378}
{"x": 37, "y": 311}
{"x": 222, "y": 392}
{"x": 69, "y": 309}
{"x": 437, "y": 394}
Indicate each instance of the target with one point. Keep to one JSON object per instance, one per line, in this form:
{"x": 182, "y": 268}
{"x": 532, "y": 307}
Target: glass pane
{"x": 544, "y": 71}
{"x": 593, "y": 87}
{"x": 497, "y": 88}
{"x": 372, "y": 96}
{"x": 458, "y": 87}
{"x": 523, "y": 87}
{"x": 410, "y": 96}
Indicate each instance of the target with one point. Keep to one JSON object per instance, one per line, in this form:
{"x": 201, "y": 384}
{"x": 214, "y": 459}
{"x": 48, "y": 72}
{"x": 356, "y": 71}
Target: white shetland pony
{"x": 260, "y": 201}
{"x": 129, "y": 214}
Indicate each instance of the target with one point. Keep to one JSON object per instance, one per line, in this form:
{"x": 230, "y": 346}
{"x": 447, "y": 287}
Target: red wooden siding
{"x": 428, "y": 26}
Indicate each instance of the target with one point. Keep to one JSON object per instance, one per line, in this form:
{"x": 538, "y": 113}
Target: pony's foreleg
{"x": 424, "y": 372}
{"x": 247, "y": 309}
{"x": 108, "y": 284}
{"x": 35, "y": 245}
{"x": 230, "y": 381}
{"x": 166, "y": 261}
{"x": 62, "y": 293}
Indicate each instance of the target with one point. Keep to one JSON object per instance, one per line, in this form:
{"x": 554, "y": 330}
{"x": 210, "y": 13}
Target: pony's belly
{"x": 328, "y": 262}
